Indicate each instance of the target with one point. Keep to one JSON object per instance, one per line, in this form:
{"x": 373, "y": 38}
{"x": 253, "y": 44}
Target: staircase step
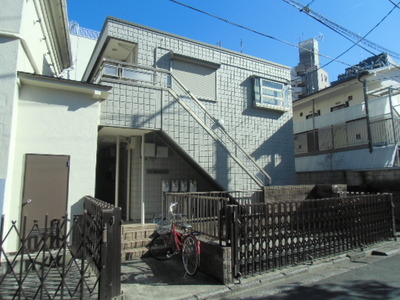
{"x": 136, "y": 227}
{"x": 133, "y": 253}
{"x": 137, "y": 235}
{"x": 135, "y": 244}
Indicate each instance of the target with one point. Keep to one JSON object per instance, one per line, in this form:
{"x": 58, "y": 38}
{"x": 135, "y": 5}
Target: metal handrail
{"x": 237, "y": 147}
{"x": 196, "y": 109}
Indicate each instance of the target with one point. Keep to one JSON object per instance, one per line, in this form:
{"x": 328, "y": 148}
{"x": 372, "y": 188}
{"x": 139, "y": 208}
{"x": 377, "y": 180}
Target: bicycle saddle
{"x": 186, "y": 226}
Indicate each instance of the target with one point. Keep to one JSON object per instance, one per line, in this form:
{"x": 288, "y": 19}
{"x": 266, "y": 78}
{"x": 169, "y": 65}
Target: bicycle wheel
{"x": 160, "y": 247}
{"x": 190, "y": 255}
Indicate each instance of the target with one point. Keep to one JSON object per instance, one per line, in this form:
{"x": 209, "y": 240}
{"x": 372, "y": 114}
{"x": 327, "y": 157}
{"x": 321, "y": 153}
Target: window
{"x": 270, "y": 94}
{"x": 199, "y": 77}
{"x": 316, "y": 114}
{"x": 340, "y": 106}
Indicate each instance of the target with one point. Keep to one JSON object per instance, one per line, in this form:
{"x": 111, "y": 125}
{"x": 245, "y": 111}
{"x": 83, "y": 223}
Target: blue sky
{"x": 272, "y": 17}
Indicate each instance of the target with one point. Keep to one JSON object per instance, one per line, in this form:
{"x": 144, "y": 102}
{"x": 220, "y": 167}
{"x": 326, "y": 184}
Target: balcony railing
{"x": 384, "y": 131}
{"x": 377, "y": 107}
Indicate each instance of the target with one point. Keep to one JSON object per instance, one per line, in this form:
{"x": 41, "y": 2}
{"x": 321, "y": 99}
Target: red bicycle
{"x": 170, "y": 242}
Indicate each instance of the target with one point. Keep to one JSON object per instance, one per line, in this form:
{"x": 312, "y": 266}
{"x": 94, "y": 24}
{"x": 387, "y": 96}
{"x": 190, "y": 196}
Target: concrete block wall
{"x": 216, "y": 261}
{"x": 302, "y": 192}
{"x": 373, "y": 181}
{"x": 266, "y": 135}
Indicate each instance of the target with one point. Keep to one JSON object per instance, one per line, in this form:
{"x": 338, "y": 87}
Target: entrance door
{"x": 45, "y": 187}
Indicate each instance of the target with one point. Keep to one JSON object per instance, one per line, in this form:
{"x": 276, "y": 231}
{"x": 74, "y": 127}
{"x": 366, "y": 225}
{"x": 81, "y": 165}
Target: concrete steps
{"x": 135, "y": 240}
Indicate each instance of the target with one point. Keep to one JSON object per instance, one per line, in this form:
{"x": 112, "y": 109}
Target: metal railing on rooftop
{"x": 76, "y": 29}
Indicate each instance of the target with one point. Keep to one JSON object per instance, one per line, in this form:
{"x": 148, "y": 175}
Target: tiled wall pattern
{"x": 266, "y": 135}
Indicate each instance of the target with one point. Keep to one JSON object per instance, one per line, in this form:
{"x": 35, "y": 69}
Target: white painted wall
{"x": 82, "y": 49}
{"x": 52, "y": 121}
{"x": 34, "y": 31}
{"x": 324, "y": 101}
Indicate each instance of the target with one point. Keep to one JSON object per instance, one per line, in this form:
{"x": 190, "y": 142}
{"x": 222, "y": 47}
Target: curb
{"x": 387, "y": 248}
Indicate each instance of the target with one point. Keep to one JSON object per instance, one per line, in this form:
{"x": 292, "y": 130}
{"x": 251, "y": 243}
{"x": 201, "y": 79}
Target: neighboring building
{"x": 60, "y": 141}
{"x": 83, "y": 41}
{"x": 308, "y": 77}
{"x": 351, "y": 125}
{"x": 185, "y": 115}
{"x": 48, "y": 125}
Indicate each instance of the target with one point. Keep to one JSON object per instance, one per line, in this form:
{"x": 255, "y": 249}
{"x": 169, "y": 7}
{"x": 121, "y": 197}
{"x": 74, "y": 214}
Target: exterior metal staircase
{"x": 175, "y": 121}
{"x": 217, "y": 132}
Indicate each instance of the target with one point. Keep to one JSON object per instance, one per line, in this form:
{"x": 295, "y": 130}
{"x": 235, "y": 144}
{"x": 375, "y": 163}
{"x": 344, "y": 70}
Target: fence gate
{"x": 73, "y": 259}
{"x": 265, "y": 236}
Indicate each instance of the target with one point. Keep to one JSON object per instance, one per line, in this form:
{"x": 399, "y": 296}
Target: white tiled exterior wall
{"x": 266, "y": 135}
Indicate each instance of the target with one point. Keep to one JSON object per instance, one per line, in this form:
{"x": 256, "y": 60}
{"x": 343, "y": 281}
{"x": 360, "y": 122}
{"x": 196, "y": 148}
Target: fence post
{"x": 390, "y": 199}
{"x": 232, "y": 232}
{"x": 109, "y": 284}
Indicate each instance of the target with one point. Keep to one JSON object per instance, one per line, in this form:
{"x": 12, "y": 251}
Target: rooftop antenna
{"x": 241, "y": 45}
{"x": 319, "y": 37}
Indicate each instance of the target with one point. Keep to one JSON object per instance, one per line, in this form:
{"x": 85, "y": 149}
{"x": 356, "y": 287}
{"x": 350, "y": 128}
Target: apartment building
{"x": 351, "y": 125}
{"x": 153, "y": 112}
{"x": 186, "y": 116}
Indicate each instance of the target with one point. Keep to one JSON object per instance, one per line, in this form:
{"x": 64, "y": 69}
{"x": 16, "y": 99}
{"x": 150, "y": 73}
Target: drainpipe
{"x": 365, "y": 88}
{"x": 117, "y": 151}
{"x": 392, "y": 115}
{"x": 313, "y": 124}
{"x": 128, "y": 180}
{"x": 16, "y": 36}
{"x": 142, "y": 208}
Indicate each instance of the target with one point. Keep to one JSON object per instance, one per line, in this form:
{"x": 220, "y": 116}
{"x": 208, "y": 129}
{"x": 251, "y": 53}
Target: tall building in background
{"x": 307, "y": 76}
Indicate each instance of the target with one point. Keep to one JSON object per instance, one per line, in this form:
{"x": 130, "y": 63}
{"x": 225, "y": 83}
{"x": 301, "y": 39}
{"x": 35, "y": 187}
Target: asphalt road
{"x": 369, "y": 277}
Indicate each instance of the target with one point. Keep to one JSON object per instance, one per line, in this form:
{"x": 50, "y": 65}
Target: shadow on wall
{"x": 222, "y": 165}
{"x": 55, "y": 97}
{"x": 77, "y": 208}
{"x": 279, "y": 151}
{"x": 248, "y": 108}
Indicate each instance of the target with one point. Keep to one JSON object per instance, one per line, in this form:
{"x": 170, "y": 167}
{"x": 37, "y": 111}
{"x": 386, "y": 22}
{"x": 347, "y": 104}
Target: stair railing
{"x": 214, "y": 127}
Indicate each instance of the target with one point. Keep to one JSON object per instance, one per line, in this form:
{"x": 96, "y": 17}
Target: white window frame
{"x": 270, "y": 94}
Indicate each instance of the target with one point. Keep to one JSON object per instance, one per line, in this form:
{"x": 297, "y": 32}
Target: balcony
{"x": 377, "y": 107}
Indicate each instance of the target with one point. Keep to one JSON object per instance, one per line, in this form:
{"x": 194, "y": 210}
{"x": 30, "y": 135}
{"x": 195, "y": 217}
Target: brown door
{"x": 45, "y": 187}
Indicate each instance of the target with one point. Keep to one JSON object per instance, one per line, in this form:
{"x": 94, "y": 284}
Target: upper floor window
{"x": 340, "y": 106}
{"x": 316, "y": 114}
{"x": 270, "y": 94}
{"x": 199, "y": 77}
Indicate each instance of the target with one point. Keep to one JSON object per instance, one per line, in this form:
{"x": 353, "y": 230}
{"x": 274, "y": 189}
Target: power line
{"x": 346, "y": 33}
{"x": 396, "y": 5}
{"x": 253, "y": 30}
{"x": 363, "y": 38}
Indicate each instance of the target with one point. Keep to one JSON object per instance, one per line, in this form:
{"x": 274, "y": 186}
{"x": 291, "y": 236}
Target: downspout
{"x": 392, "y": 115}
{"x": 128, "y": 180}
{"x": 117, "y": 158}
{"x": 25, "y": 46}
{"x": 313, "y": 126}
{"x": 365, "y": 88}
{"x": 142, "y": 206}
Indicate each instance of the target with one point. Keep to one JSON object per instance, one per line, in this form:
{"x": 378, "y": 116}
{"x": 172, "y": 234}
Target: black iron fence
{"x": 203, "y": 209}
{"x": 65, "y": 259}
{"x": 271, "y": 235}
